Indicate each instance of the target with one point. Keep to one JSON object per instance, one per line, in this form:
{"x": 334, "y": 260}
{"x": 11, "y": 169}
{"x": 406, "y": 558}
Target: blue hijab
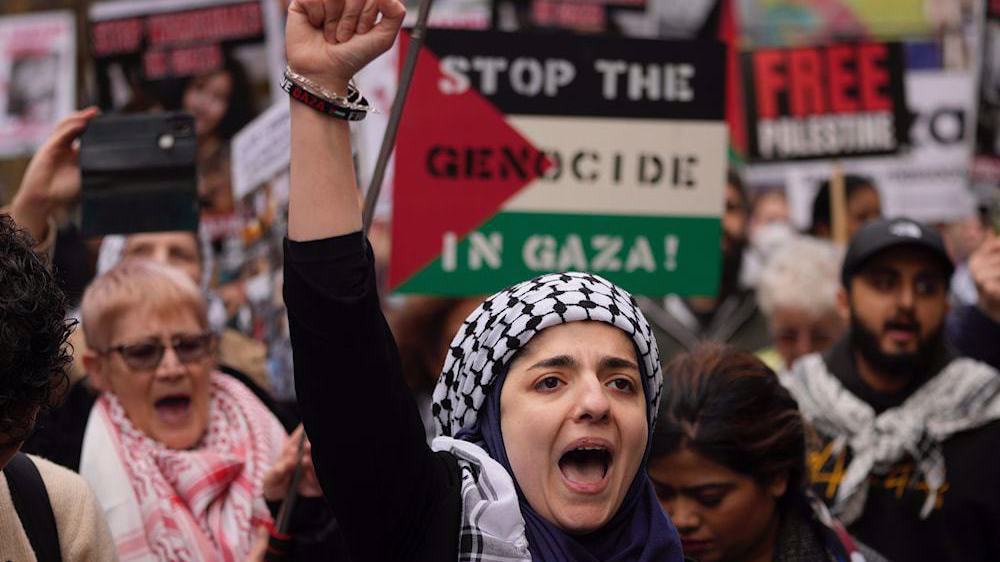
{"x": 467, "y": 405}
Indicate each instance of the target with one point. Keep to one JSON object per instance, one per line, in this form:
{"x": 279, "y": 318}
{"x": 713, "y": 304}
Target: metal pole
{"x": 389, "y": 140}
{"x": 285, "y": 512}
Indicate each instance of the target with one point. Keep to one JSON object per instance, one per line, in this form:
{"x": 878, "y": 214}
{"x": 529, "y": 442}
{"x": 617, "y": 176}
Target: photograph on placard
{"x": 37, "y": 78}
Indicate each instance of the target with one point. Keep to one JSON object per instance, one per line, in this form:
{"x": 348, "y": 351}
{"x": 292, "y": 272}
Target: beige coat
{"x": 83, "y": 532}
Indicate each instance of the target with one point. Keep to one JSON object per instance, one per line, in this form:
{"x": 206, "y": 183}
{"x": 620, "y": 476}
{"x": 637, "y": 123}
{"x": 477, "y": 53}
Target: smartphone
{"x": 139, "y": 174}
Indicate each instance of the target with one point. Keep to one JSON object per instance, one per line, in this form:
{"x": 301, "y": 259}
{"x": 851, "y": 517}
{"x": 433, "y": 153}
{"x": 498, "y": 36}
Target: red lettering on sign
{"x": 154, "y": 65}
{"x": 814, "y": 81}
{"x": 843, "y": 79}
{"x": 806, "y": 76}
{"x": 182, "y": 62}
{"x": 119, "y": 36}
{"x": 770, "y": 80}
{"x": 196, "y": 60}
{"x": 874, "y": 77}
{"x": 574, "y": 15}
{"x": 212, "y": 24}
{"x": 36, "y": 34}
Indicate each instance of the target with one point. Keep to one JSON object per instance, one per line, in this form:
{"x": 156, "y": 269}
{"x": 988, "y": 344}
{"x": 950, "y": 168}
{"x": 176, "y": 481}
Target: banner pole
{"x": 838, "y": 205}
{"x": 285, "y": 512}
{"x": 389, "y": 140}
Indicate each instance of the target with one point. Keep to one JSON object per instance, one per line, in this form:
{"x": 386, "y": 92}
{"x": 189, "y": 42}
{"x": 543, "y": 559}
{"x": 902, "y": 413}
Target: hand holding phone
{"x": 52, "y": 180}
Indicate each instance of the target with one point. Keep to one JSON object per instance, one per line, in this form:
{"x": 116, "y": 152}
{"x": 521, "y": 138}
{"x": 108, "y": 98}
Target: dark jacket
{"x": 974, "y": 334}
{"x": 802, "y": 538}
{"x": 736, "y": 321}
{"x": 394, "y": 498}
{"x": 965, "y": 524}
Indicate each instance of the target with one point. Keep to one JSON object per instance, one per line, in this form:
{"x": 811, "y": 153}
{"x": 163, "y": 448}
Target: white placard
{"x": 929, "y": 183}
{"x": 37, "y": 78}
{"x": 261, "y": 150}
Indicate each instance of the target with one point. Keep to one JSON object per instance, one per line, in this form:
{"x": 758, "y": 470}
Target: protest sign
{"x": 378, "y": 81}
{"x": 260, "y": 151}
{"x": 927, "y": 183}
{"x": 690, "y": 19}
{"x": 825, "y": 102}
{"x": 518, "y": 156}
{"x": 144, "y": 51}
{"x": 585, "y": 16}
{"x": 37, "y": 78}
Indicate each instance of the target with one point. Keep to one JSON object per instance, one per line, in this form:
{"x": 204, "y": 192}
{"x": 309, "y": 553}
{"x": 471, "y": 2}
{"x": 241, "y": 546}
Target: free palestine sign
{"x": 840, "y": 100}
{"x": 520, "y": 155}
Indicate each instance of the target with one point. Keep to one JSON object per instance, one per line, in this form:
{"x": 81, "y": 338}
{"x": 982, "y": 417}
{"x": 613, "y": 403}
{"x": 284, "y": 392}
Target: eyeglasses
{"x": 146, "y": 355}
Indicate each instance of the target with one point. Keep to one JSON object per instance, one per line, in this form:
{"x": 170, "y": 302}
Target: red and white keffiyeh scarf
{"x": 201, "y": 504}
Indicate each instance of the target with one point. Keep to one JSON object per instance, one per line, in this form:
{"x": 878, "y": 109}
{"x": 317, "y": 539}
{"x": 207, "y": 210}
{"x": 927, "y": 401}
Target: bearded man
{"x": 906, "y": 451}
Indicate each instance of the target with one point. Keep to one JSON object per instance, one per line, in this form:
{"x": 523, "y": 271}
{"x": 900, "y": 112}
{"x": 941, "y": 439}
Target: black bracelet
{"x": 323, "y": 106}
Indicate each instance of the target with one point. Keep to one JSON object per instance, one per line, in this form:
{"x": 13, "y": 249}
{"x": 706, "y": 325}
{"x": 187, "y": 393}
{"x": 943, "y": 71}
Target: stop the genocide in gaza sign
{"x": 521, "y": 154}
{"x": 825, "y": 102}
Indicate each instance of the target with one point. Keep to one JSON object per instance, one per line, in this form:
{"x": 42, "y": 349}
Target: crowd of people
{"x": 831, "y": 402}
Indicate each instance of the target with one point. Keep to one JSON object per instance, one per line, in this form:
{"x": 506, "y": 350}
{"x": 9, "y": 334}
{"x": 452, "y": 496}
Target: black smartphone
{"x": 139, "y": 174}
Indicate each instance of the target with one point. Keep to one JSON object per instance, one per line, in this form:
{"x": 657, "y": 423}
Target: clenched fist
{"x": 329, "y": 41}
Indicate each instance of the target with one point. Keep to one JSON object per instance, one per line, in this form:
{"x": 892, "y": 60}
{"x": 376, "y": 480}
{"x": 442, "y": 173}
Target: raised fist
{"x": 329, "y": 41}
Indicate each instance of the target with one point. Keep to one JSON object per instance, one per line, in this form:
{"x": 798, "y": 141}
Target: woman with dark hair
{"x": 221, "y": 102}
{"x": 546, "y": 401}
{"x": 728, "y": 464}
{"x": 863, "y": 206}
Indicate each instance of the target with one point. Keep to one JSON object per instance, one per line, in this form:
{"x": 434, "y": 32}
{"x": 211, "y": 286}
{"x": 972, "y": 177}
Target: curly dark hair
{"x": 33, "y": 334}
{"x": 728, "y": 406}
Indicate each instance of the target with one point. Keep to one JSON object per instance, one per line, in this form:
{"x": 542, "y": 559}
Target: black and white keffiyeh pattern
{"x": 505, "y": 322}
{"x": 964, "y": 395}
{"x": 493, "y": 527}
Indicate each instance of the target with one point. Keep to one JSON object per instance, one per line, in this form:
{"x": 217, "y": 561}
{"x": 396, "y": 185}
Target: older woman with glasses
{"x": 175, "y": 451}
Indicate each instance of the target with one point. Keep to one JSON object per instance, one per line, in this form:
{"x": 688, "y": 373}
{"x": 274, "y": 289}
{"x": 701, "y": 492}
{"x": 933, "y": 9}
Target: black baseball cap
{"x": 878, "y": 236}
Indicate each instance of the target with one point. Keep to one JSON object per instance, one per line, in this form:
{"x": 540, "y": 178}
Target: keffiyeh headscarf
{"x": 498, "y": 522}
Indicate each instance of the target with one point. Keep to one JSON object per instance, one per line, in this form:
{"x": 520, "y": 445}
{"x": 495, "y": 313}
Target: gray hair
{"x": 802, "y": 274}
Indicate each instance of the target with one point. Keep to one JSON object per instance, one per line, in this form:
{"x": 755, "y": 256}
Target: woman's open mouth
{"x": 585, "y": 467}
{"x": 173, "y": 409}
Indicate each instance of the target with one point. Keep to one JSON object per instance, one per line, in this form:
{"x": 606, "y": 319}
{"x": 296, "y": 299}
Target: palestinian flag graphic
{"x": 519, "y": 155}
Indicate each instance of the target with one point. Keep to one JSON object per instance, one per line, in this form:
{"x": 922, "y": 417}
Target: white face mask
{"x": 770, "y": 237}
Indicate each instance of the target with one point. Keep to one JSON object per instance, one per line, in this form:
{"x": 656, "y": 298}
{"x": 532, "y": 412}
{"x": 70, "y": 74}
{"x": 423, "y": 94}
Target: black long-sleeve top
{"x": 394, "y": 498}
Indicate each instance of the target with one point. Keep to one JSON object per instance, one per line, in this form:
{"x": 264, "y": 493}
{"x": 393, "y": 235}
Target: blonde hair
{"x": 136, "y": 282}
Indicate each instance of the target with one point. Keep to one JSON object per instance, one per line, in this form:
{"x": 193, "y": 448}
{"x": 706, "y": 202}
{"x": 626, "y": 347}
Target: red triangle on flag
{"x": 457, "y": 162}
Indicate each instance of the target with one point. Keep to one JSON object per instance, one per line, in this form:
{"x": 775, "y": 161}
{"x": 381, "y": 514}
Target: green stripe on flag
{"x": 647, "y": 255}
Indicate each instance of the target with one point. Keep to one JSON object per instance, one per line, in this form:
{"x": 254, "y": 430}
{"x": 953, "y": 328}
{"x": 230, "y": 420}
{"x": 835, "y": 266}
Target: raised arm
{"x": 328, "y": 42}
{"x": 394, "y": 499}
